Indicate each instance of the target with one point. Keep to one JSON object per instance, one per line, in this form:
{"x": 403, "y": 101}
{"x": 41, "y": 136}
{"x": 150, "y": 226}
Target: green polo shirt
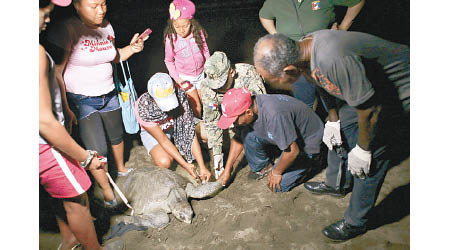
{"x": 313, "y": 15}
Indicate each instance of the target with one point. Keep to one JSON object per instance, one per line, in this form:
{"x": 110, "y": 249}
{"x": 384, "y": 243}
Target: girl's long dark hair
{"x": 196, "y": 29}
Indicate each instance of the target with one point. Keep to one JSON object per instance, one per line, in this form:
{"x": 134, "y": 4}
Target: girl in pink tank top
{"x": 86, "y": 73}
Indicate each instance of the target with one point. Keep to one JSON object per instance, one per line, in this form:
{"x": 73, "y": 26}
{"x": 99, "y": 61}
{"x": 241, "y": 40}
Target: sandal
{"x": 125, "y": 173}
{"x": 73, "y": 248}
{"x": 260, "y": 174}
{"x": 110, "y": 204}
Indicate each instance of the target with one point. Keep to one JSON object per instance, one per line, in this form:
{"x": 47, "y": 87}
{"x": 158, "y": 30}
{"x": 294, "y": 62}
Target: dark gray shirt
{"x": 353, "y": 66}
{"x": 283, "y": 119}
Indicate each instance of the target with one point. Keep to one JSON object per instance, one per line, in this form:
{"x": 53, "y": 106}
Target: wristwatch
{"x": 88, "y": 160}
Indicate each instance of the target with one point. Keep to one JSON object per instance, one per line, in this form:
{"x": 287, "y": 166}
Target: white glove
{"x": 359, "y": 162}
{"x": 218, "y": 165}
{"x": 332, "y": 134}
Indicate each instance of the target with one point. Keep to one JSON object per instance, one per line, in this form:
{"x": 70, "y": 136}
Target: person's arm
{"x": 205, "y": 46}
{"x": 169, "y": 60}
{"x": 286, "y": 159}
{"x": 136, "y": 45}
{"x": 330, "y": 104}
{"x": 70, "y": 117}
{"x": 205, "y": 175}
{"x": 367, "y": 120}
{"x": 254, "y": 83}
{"x": 360, "y": 157}
{"x": 236, "y": 148}
{"x": 350, "y": 15}
{"x": 168, "y": 146}
{"x": 268, "y": 24}
{"x": 333, "y": 115}
{"x": 211, "y": 115}
{"x": 49, "y": 127}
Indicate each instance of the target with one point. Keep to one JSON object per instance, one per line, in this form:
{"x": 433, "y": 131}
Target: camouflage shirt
{"x": 246, "y": 77}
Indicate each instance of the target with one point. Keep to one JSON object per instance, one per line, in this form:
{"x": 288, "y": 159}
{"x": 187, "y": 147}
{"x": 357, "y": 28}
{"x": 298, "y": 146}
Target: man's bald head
{"x": 273, "y": 52}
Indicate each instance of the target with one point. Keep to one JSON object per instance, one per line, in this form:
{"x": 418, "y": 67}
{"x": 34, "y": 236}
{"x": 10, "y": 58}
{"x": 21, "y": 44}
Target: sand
{"x": 246, "y": 215}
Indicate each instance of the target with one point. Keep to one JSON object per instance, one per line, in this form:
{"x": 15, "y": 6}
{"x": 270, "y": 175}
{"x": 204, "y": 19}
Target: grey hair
{"x": 281, "y": 53}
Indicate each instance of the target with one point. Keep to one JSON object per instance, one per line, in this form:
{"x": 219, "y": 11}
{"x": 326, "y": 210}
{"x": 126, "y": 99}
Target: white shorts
{"x": 149, "y": 141}
{"x": 195, "y": 80}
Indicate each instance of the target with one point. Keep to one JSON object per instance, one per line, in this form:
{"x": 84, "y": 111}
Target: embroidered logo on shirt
{"x": 212, "y": 106}
{"x": 282, "y": 98}
{"x": 270, "y": 135}
{"x": 329, "y": 86}
{"x": 315, "y": 5}
{"x": 95, "y": 45}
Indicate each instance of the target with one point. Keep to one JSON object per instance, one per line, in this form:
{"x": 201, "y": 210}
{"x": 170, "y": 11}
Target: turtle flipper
{"x": 157, "y": 219}
{"x": 208, "y": 189}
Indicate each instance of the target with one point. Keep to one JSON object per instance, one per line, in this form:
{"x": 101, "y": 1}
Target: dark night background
{"x": 233, "y": 27}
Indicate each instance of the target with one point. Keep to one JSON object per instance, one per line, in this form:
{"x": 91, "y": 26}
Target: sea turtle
{"x": 154, "y": 192}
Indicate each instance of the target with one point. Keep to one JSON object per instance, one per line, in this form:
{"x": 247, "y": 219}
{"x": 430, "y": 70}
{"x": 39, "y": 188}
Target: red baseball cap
{"x": 234, "y": 103}
{"x": 62, "y": 3}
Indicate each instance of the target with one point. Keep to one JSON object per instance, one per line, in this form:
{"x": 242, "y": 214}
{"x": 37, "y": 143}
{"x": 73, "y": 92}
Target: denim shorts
{"x": 149, "y": 141}
{"x": 83, "y": 105}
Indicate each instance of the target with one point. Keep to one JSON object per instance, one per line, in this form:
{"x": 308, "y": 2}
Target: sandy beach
{"x": 246, "y": 215}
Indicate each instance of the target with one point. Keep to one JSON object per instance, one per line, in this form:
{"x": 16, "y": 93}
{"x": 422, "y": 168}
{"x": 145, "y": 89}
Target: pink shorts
{"x": 60, "y": 175}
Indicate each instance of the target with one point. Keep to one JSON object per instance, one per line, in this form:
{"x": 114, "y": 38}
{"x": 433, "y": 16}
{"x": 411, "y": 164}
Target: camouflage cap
{"x": 216, "y": 69}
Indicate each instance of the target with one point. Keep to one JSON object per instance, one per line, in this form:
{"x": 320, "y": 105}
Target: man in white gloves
{"x": 368, "y": 77}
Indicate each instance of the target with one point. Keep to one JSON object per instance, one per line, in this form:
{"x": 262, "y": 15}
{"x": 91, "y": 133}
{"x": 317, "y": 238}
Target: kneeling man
{"x": 277, "y": 120}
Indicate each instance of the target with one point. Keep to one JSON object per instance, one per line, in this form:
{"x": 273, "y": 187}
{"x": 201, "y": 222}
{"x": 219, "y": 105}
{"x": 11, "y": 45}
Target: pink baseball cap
{"x": 234, "y": 103}
{"x": 183, "y": 9}
{"x": 62, "y": 3}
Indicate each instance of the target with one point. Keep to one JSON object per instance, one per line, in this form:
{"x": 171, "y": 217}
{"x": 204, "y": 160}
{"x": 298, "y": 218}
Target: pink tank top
{"x": 88, "y": 70}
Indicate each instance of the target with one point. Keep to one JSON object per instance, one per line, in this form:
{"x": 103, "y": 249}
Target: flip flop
{"x": 110, "y": 204}
{"x": 73, "y": 248}
{"x": 125, "y": 173}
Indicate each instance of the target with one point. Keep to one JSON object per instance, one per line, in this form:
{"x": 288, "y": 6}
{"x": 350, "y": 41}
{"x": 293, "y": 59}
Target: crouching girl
{"x": 168, "y": 128}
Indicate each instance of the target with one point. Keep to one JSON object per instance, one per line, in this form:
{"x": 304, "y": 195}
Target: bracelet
{"x": 275, "y": 174}
{"x": 88, "y": 160}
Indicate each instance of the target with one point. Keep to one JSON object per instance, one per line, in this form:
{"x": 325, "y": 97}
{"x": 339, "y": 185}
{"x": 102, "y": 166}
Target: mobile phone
{"x": 102, "y": 159}
{"x": 145, "y": 34}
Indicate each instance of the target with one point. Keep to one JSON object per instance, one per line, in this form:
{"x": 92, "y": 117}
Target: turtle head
{"x": 183, "y": 212}
{"x": 179, "y": 205}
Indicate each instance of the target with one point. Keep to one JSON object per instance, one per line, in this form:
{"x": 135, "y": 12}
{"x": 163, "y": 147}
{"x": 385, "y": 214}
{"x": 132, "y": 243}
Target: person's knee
{"x": 112, "y": 121}
{"x": 286, "y": 187}
{"x": 92, "y": 134}
{"x": 163, "y": 162}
